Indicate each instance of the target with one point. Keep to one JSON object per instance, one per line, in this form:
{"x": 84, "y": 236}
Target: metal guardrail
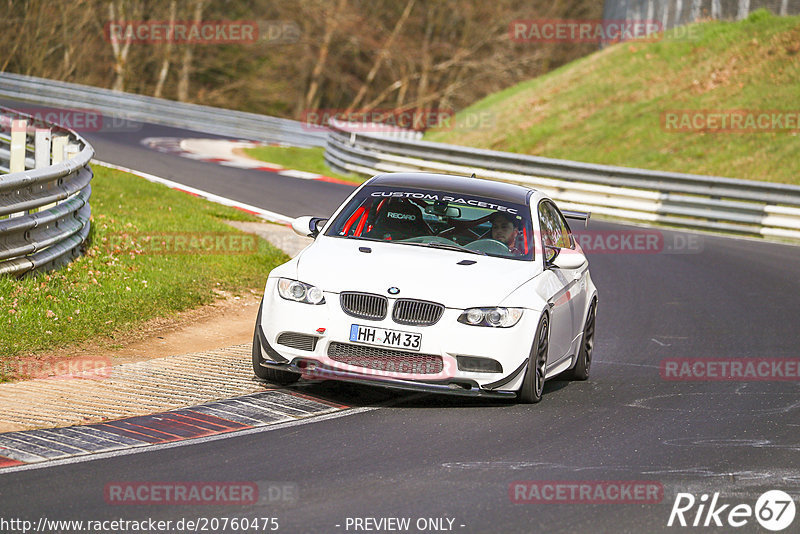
{"x": 684, "y": 200}
{"x": 130, "y": 106}
{"x": 44, "y": 211}
{"x": 676, "y": 199}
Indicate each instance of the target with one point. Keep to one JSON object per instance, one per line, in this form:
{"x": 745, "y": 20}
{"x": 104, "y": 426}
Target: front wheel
{"x": 533, "y": 383}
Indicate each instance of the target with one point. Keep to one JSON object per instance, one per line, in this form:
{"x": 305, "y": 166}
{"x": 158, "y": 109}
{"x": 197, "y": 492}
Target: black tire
{"x": 584, "y": 363}
{"x": 275, "y": 376}
{"x": 533, "y": 383}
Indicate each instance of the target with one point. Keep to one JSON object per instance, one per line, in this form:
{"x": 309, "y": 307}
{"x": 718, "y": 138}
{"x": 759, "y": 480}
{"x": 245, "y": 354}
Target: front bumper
{"x": 447, "y": 339}
{"x": 465, "y": 389}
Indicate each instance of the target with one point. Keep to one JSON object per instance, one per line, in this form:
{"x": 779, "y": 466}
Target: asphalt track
{"x": 424, "y": 456}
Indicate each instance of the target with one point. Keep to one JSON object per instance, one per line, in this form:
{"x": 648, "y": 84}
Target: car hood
{"x": 337, "y": 265}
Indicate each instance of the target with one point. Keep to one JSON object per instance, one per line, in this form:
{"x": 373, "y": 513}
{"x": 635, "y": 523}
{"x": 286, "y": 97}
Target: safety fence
{"x": 45, "y": 185}
{"x": 676, "y": 199}
{"x": 132, "y": 107}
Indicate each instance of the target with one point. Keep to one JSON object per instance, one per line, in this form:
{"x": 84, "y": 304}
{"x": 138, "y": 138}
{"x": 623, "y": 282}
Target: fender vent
{"x": 297, "y": 341}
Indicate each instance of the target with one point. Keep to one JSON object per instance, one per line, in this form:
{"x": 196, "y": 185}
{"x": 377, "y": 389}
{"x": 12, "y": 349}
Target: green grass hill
{"x": 617, "y": 106}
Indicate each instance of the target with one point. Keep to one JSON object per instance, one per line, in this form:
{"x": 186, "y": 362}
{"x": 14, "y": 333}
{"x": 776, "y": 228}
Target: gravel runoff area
{"x": 158, "y": 384}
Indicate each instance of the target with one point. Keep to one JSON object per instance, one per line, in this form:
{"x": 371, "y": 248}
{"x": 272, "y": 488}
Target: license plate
{"x": 385, "y": 338}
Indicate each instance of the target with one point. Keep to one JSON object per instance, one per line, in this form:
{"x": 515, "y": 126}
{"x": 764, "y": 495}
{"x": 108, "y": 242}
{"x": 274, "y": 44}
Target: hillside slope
{"x": 612, "y": 106}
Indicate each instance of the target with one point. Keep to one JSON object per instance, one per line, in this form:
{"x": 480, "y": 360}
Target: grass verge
{"x": 300, "y": 159}
{"x": 152, "y": 253}
{"x": 610, "y": 107}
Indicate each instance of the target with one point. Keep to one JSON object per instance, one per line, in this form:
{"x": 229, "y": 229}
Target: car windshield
{"x": 437, "y": 219}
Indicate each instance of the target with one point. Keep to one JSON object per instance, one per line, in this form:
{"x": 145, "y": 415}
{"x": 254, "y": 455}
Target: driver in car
{"x": 505, "y": 229}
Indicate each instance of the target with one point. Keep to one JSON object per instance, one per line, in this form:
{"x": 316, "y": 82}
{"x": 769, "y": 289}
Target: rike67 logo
{"x": 774, "y": 510}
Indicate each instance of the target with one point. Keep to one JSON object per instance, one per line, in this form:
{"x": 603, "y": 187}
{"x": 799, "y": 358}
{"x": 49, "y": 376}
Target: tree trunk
{"x": 322, "y": 57}
{"x": 186, "y": 65}
{"x": 162, "y": 75}
{"x": 422, "y": 88}
{"x": 381, "y": 55}
{"x": 120, "y": 52}
{"x": 744, "y": 9}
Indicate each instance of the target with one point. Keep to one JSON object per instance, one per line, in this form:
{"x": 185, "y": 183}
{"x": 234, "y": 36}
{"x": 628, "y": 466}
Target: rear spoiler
{"x": 579, "y": 215}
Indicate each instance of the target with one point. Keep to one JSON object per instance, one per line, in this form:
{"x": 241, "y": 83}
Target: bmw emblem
{"x": 393, "y": 291}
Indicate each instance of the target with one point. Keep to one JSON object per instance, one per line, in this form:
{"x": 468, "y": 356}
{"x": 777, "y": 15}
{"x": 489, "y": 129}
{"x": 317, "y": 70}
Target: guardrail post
{"x": 41, "y": 145}
{"x": 41, "y": 155}
{"x": 73, "y": 149}
{"x": 17, "y": 157}
{"x": 59, "y": 148}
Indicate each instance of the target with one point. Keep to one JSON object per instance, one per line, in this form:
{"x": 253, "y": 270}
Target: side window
{"x": 546, "y": 222}
{"x": 565, "y": 239}
{"x": 555, "y": 232}
{"x": 549, "y": 229}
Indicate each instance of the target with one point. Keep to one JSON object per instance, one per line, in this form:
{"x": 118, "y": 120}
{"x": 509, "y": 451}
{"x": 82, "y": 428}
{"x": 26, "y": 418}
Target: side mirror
{"x": 567, "y": 259}
{"x": 563, "y": 258}
{"x": 307, "y": 226}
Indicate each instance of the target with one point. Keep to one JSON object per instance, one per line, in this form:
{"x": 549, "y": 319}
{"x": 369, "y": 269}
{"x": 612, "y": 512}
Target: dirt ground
{"x": 227, "y": 321}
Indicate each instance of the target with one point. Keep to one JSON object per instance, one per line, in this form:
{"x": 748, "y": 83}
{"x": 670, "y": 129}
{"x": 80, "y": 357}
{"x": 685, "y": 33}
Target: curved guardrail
{"x": 44, "y": 212}
{"x": 684, "y": 200}
{"x": 130, "y": 106}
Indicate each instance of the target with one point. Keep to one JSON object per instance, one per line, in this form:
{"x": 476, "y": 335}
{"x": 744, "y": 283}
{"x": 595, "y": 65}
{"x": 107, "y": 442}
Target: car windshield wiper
{"x": 447, "y": 246}
{"x": 361, "y": 238}
{"x": 434, "y": 244}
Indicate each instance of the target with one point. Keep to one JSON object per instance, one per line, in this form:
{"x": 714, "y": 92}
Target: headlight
{"x": 496, "y": 317}
{"x": 300, "y": 292}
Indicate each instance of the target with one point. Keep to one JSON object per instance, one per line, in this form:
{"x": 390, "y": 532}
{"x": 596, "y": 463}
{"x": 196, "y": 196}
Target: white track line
{"x": 264, "y": 214}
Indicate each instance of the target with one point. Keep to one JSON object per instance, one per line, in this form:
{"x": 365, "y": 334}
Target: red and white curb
{"x": 222, "y": 152}
{"x": 219, "y": 417}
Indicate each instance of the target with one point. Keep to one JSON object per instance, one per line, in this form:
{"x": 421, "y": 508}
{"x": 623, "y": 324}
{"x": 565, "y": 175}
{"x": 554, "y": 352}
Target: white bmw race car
{"x": 433, "y": 283}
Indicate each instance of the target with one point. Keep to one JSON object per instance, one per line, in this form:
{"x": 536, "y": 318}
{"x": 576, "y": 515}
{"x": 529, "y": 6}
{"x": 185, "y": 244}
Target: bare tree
{"x": 331, "y": 24}
{"x": 162, "y": 73}
{"x": 366, "y": 54}
{"x": 121, "y": 52}
{"x": 186, "y": 64}
{"x": 381, "y": 56}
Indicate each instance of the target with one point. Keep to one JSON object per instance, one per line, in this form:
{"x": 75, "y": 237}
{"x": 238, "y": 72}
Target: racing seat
{"x": 398, "y": 219}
